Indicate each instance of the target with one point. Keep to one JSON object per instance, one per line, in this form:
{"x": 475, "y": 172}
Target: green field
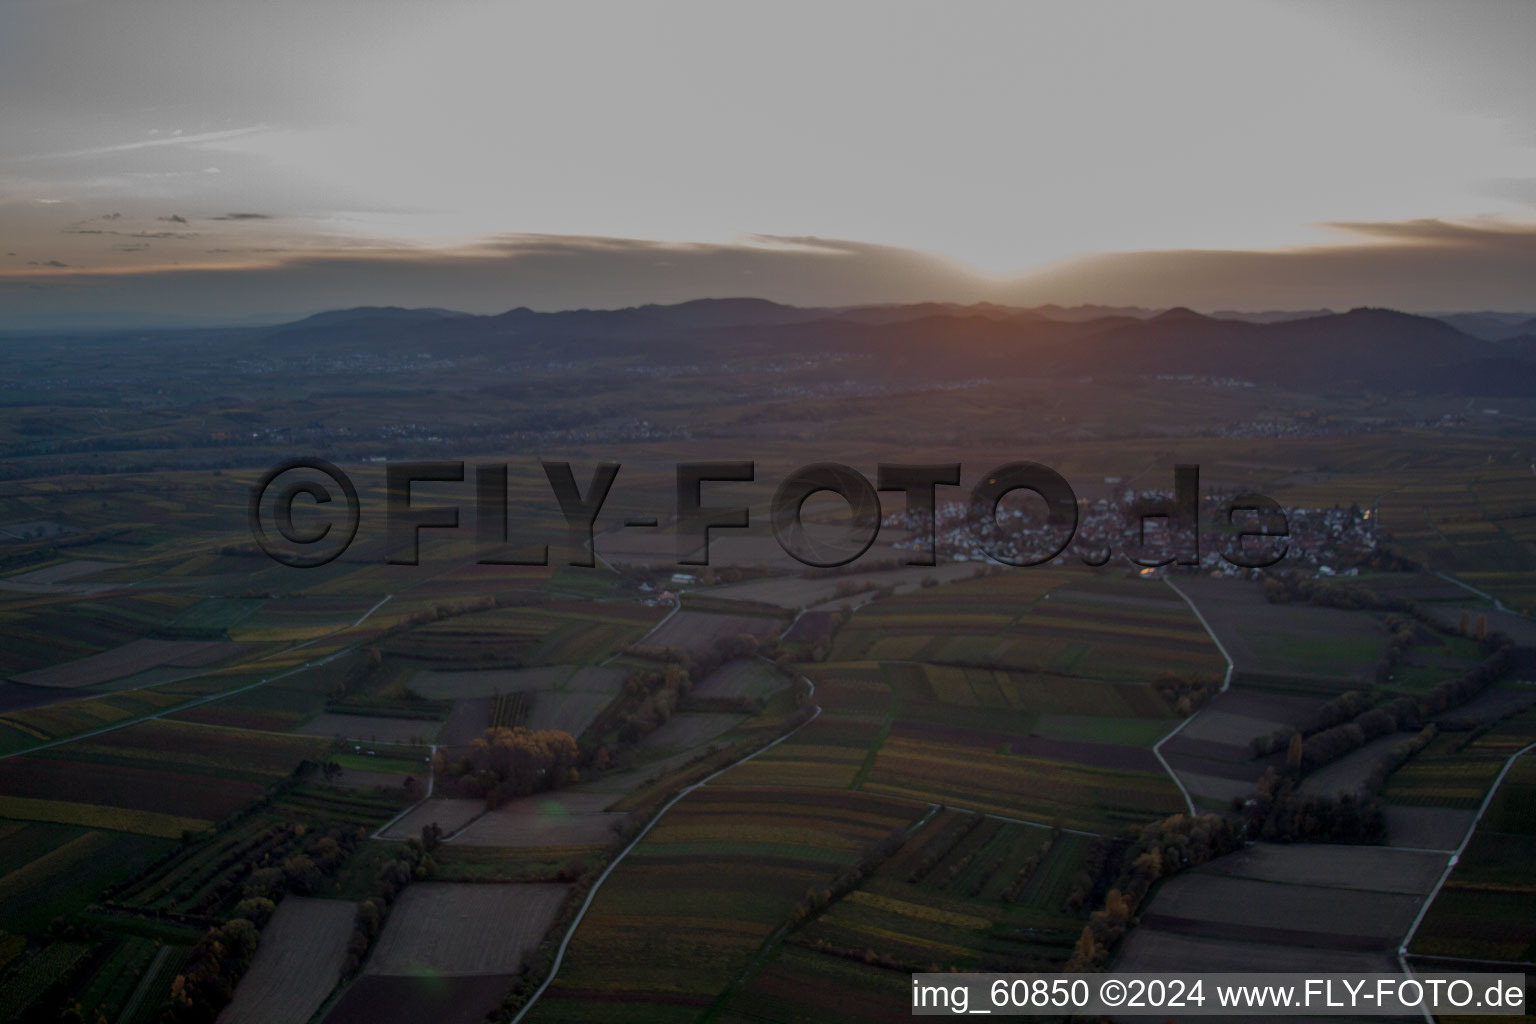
{"x": 1487, "y": 908}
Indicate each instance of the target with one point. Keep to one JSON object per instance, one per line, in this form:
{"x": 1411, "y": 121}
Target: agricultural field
{"x": 43, "y": 631}
{"x": 276, "y": 706}
{"x": 35, "y": 727}
{"x": 744, "y": 677}
{"x": 1456, "y": 770}
{"x": 795, "y": 592}
{"x": 371, "y": 728}
{"x": 550, "y": 633}
{"x": 35, "y": 975}
{"x": 59, "y": 572}
{"x": 128, "y": 965}
{"x": 158, "y": 793}
{"x": 684, "y": 913}
{"x": 128, "y": 660}
{"x": 696, "y": 632}
{"x": 1213, "y": 755}
{"x": 963, "y": 892}
{"x": 231, "y": 753}
{"x": 1039, "y": 621}
{"x": 1486, "y": 909}
{"x": 970, "y": 769}
{"x": 830, "y": 751}
{"x": 1048, "y": 748}
{"x": 1009, "y": 743}
{"x": 1426, "y": 828}
{"x": 449, "y": 929}
{"x": 1003, "y": 881}
{"x": 297, "y": 963}
{"x": 567, "y": 818}
{"x": 449, "y": 814}
{"x": 1289, "y": 647}
{"x": 1350, "y": 773}
{"x": 468, "y": 719}
{"x": 799, "y": 984}
{"x": 1296, "y": 907}
{"x": 469, "y": 684}
{"x": 206, "y": 876}
{"x": 982, "y": 745}
{"x": 686, "y": 730}
{"x": 569, "y": 711}
{"x": 403, "y": 999}
{"x": 50, "y": 870}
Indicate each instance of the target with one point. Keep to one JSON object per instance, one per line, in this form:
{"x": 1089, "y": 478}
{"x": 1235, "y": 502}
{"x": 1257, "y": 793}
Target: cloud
{"x": 129, "y": 234}
{"x": 1433, "y": 231}
{"x": 1520, "y": 190}
{"x": 541, "y": 271}
{"x": 242, "y": 216}
{"x": 128, "y": 147}
{"x": 1418, "y": 265}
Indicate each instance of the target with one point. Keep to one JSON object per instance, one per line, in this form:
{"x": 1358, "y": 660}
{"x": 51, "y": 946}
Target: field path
{"x": 675, "y": 609}
{"x": 378, "y": 833}
{"x": 1450, "y": 865}
{"x": 142, "y": 989}
{"x": 1469, "y": 588}
{"x": 360, "y": 620}
{"x": 1455, "y": 856}
{"x": 198, "y": 702}
{"x": 592, "y": 893}
{"x": 1226, "y": 681}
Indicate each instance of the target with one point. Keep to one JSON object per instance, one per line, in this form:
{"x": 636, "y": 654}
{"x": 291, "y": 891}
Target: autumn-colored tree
{"x": 1085, "y": 956}
{"x": 506, "y": 763}
{"x": 1294, "y": 751}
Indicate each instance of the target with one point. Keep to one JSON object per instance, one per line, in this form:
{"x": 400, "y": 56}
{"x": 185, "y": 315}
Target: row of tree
{"x": 816, "y": 900}
{"x": 1400, "y": 754}
{"x": 220, "y": 958}
{"x": 1293, "y": 587}
{"x": 651, "y": 696}
{"x": 1021, "y": 878}
{"x": 412, "y": 861}
{"x": 1162, "y": 848}
{"x": 1348, "y": 721}
{"x": 1279, "y": 812}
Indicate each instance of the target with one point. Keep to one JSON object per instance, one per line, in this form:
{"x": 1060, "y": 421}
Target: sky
{"x": 210, "y": 160}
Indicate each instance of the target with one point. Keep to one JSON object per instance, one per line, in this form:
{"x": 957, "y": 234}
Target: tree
{"x": 255, "y": 909}
{"x": 301, "y": 874}
{"x": 1085, "y": 956}
{"x": 1293, "y": 753}
{"x": 505, "y": 763}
